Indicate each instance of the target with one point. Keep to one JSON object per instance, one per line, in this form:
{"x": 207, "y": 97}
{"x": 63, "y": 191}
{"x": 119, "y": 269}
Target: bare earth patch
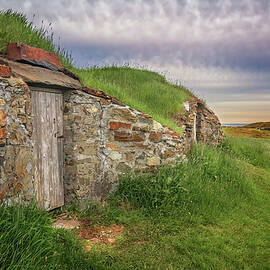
{"x": 99, "y": 234}
{"x": 90, "y": 235}
{"x": 63, "y": 222}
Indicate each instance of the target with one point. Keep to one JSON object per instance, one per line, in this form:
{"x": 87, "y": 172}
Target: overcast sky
{"x": 218, "y": 49}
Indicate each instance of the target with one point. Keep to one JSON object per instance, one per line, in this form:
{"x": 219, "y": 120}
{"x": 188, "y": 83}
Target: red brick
{"x": 3, "y": 193}
{"x": 172, "y": 134}
{"x": 145, "y": 115}
{"x": 4, "y": 71}
{"x": 155, "y": 136}
{"x": 117, "y": 125}
{"x": 123, "y": 137}
{"x": 105, "y": 101}
{"x": 22, "y": 52}
{"x": 127, "y": 137}
{"x": 77, "y": 118}
{"x": 168, "y": 154}
{"x": 2, "y": 133}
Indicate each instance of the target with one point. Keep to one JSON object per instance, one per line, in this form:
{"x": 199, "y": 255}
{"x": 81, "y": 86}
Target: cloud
{"x": 218, "y": 48}
{"x": 196, "y": 33}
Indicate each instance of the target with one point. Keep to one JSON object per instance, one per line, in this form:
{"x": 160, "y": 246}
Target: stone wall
{"x": 200, "y": 124}
{"x": 83, "y": 160}
{"x": 16, "y": 179}
{"x": 106, "y": 139}
{"x": 103, "y": 138}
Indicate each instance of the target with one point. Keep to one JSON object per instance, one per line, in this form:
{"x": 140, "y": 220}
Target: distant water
{"x": 234, "y": 124}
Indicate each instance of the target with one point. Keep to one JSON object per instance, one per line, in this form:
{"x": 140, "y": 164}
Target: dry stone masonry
{"x": 105, "y": 140}
{"x": 15, "y": 139}
{"x": 102, "y": 138}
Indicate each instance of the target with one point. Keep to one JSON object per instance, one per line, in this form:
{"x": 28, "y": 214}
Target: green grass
{"x": 212, "y": 212}
{"x": 208, "y": 182}
{"x": 15, "y": 27}
{"x": 141, "y": 89}
{"x": 27, "y": 241}
{"x": 253, "y": 151}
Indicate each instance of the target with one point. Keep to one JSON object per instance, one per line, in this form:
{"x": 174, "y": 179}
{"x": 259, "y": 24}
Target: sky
{"x": 218, "y": 49}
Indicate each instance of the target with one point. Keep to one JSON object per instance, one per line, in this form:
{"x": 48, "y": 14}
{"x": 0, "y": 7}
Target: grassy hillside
{"x": 258, "y": 125}
{"x": 247, "y": 132}
{"x": 143, "y": 90}
{"x": 212, "y": 212}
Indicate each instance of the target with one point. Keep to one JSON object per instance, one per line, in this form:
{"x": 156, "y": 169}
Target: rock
{"x": 168, "y": 154}
{"x": 3, "y": 118}
{"x": 66, "y": 224}
{"x": 3, "y": 192}
{"x": 2, "y": 133}
{"x": 153, "y": 161}
{"x": 157, "y": 125}
{"x": 136, "y": 137}
{"x": 123, "y": 167}
{"x": 42, "y": 77}
{"x": 186, "y": 105}
{"x": 124, "y": 114}
{"x": 155, "y": 136}
{"x": 112, "y": 147}
{"x": 114, "y": 155}
{"x": 21, "y": 162}
{"x": 141, "y": 127}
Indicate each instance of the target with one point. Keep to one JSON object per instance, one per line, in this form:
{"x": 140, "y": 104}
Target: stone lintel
{"x": 42, "y": 77}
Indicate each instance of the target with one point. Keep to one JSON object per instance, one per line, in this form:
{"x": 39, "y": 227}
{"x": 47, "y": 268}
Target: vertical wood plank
{"x": 45, "y": 147}
{"x": 48, "y": 148}
{"x": 60, "y": 148}
{"x": 53, "y": 160}
{"x": 36, "y": 150}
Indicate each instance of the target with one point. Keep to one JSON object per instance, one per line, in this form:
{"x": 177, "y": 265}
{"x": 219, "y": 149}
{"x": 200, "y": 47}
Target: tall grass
{"x": 208, "y": 213}
{"x": 27, "y": 241}
{"x": 141, "y": 89}
{"x": 16, "y": 27}
{"x": 203, "y": 187}
{"x": 254, "y": 151}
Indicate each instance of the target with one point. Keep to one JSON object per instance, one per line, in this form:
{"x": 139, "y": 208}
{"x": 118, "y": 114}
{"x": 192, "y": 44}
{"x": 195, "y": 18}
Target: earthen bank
{"x": 61, "y": 142}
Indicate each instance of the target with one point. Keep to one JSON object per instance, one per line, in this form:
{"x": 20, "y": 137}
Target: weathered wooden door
{"x": 47, "y": 111}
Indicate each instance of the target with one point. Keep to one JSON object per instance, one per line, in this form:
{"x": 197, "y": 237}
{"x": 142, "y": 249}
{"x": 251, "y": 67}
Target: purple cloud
{"x": 222, "y": 46}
